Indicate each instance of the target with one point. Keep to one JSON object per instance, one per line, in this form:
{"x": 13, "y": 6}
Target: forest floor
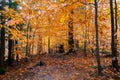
{"x": 60, "y": 67}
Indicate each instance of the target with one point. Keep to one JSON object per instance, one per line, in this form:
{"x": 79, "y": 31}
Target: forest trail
{"x": 57, "y": 67}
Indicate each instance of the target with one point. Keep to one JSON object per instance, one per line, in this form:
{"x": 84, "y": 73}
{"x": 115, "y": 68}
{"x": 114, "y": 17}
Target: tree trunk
{"x": 97, "y": 38}
{"x": 113, "y": 37}
{"x": 70, "y": 35}
{"x": 27, "y": 35}
{"x": 49, "y": 45}
{"x": 2, "y": 48}
{"x": 85, "y": 42}
{"x": 10, "y": 41}
{"x": 85, "y": 35}
{"x": 10, "y": 50}
{"x": 116, "y": 27}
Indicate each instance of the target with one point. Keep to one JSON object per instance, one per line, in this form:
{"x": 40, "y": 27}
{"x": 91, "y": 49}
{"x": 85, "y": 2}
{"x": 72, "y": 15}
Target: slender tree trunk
{"x": 32, "y": 45}
{"x": 113, "y": 38}
{"x": 97, "y": 38}
{"x": 49, "y": 35}
{"x": 16, "y": 49}
{"x": 10, "y": 50}
{"x": 116, "y": 27}
{"x": 27, "y": 44}
{"x": 10, "y": 41}
{"x": 85, "y": 35}
{"x": 49, "y": 44}
{"x": 116, "y": 17}
{"x": 40, "y": 47}
{"x": 70, "y": 35}
{"x": 10, "y": 44}
{"x": 85, "y": 42}
{"x": 2, "y": 48}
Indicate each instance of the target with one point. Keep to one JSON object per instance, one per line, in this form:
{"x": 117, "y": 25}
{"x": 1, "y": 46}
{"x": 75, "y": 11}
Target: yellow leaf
{"x": 62, "y": 20}
{"x": 92, "y": 1}
{"x": 62, "y": 0}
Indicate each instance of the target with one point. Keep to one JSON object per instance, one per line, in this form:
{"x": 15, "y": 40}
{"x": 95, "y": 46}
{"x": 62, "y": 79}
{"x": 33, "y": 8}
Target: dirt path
{"x": 58, "y": 67}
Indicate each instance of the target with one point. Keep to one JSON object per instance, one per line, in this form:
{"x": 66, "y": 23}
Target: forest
{"x": 59, "y": 39}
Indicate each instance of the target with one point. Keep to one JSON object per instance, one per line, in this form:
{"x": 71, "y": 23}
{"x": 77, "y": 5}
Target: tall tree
{"x": 97, "y": 38}
{"x": 12, "y": 5}
{"x": 113, "y": 42}
{"x": 85, "y": 31}
{"x": 10, "y": 43}
{"x": 2, "y": 48}
{"x": 116, "y": 25}
{"x": 27, "y": 35}
{"x": 10, "y": 50}
{"x": 70, "y": 33}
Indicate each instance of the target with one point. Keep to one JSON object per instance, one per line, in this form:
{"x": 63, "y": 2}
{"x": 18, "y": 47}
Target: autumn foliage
{"x": 37, "y": 27}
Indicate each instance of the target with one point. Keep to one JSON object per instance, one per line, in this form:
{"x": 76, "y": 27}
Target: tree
{"x": 12, "y": 5}
{"x": 113, "y": 38}
{"x": 10, "y": 50}
{"x": 85, "y": 31}
{"x": 70, "y": 34}
{"x": 2, "y": 48}
{"x": 97, "y": 38}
